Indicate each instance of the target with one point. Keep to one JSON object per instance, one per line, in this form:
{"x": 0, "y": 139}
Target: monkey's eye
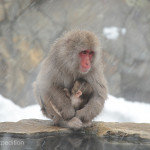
{"x": 84, "y": 52}
{"x": 91, "y": 53}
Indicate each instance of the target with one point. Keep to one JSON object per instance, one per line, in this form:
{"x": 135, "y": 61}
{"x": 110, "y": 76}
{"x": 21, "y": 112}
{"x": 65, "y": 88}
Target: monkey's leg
{"x": 60, "y": 101}
{"x": 52, "y": 112}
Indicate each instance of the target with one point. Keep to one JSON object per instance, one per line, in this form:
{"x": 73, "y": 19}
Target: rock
{"x": 37, "y": 134}
{"x": 38, "y": 128}
{"x": 27, "y": 29}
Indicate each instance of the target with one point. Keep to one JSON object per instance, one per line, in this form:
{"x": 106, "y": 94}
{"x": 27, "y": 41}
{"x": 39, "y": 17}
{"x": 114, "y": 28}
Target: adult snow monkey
{"x": 76, "y": 54}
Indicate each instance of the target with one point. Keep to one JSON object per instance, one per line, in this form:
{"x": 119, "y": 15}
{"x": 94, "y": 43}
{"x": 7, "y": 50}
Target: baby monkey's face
{"x": 81, "y": 88}
{"x": 78, "y": 88}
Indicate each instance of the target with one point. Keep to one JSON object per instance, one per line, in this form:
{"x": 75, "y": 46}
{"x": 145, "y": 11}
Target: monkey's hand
{"x": 91, "y": 110}
{"x": 68, "y": 113}
{"x": 75, "y": 123}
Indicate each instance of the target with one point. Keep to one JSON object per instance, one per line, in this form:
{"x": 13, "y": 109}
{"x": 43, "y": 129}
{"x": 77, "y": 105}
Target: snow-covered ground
{"x": 115, "y": 110}
{"x": 120, "y": 110}
{"x": 12, "y": 112}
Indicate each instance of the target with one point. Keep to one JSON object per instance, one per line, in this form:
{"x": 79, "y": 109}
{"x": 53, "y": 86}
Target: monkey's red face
{"x": 85, "y": 60}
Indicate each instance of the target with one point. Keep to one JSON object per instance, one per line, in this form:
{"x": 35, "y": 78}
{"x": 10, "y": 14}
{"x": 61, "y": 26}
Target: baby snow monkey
{"x": 79, "y": 93}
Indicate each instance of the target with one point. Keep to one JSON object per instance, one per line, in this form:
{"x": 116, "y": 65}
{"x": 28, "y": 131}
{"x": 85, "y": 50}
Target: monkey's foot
{"x": 87, "y": 124}
{"x": 75, "y": 123}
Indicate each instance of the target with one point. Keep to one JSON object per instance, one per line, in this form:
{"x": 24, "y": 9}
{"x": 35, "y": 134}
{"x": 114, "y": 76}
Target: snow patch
{"x": 115, "y": 110}
{"x": 120, "y": 110}
{"x": 112, "y": 33}
{"x": 9, "y": 111}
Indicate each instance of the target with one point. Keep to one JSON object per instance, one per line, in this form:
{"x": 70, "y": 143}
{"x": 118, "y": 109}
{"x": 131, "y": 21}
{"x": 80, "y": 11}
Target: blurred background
{"x": 29, "y": 27}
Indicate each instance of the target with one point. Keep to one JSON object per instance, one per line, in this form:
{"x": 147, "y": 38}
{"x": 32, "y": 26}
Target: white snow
{"x": 112, "y": 33}
{"x": 123, "y": 31}
{"x": 12, "y": 112}
{"x": 115, "y": 110}
{"x": 120, "y": 110}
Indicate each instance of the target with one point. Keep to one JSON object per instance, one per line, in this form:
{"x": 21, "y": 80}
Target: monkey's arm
{"x": 91, "y": 109}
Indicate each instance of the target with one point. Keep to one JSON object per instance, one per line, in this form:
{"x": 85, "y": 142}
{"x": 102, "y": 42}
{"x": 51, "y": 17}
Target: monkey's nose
{"x": 87, "y": 64}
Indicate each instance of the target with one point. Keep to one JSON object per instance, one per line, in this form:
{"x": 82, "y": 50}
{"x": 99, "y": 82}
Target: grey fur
{"x": 60, "y": 69}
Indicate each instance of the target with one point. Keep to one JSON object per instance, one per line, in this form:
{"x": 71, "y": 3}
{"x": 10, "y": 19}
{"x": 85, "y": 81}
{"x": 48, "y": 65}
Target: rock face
{"x": 27, "y": 29}
{"x": 41, "y": 133}
{"x": 35, "y": 127}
